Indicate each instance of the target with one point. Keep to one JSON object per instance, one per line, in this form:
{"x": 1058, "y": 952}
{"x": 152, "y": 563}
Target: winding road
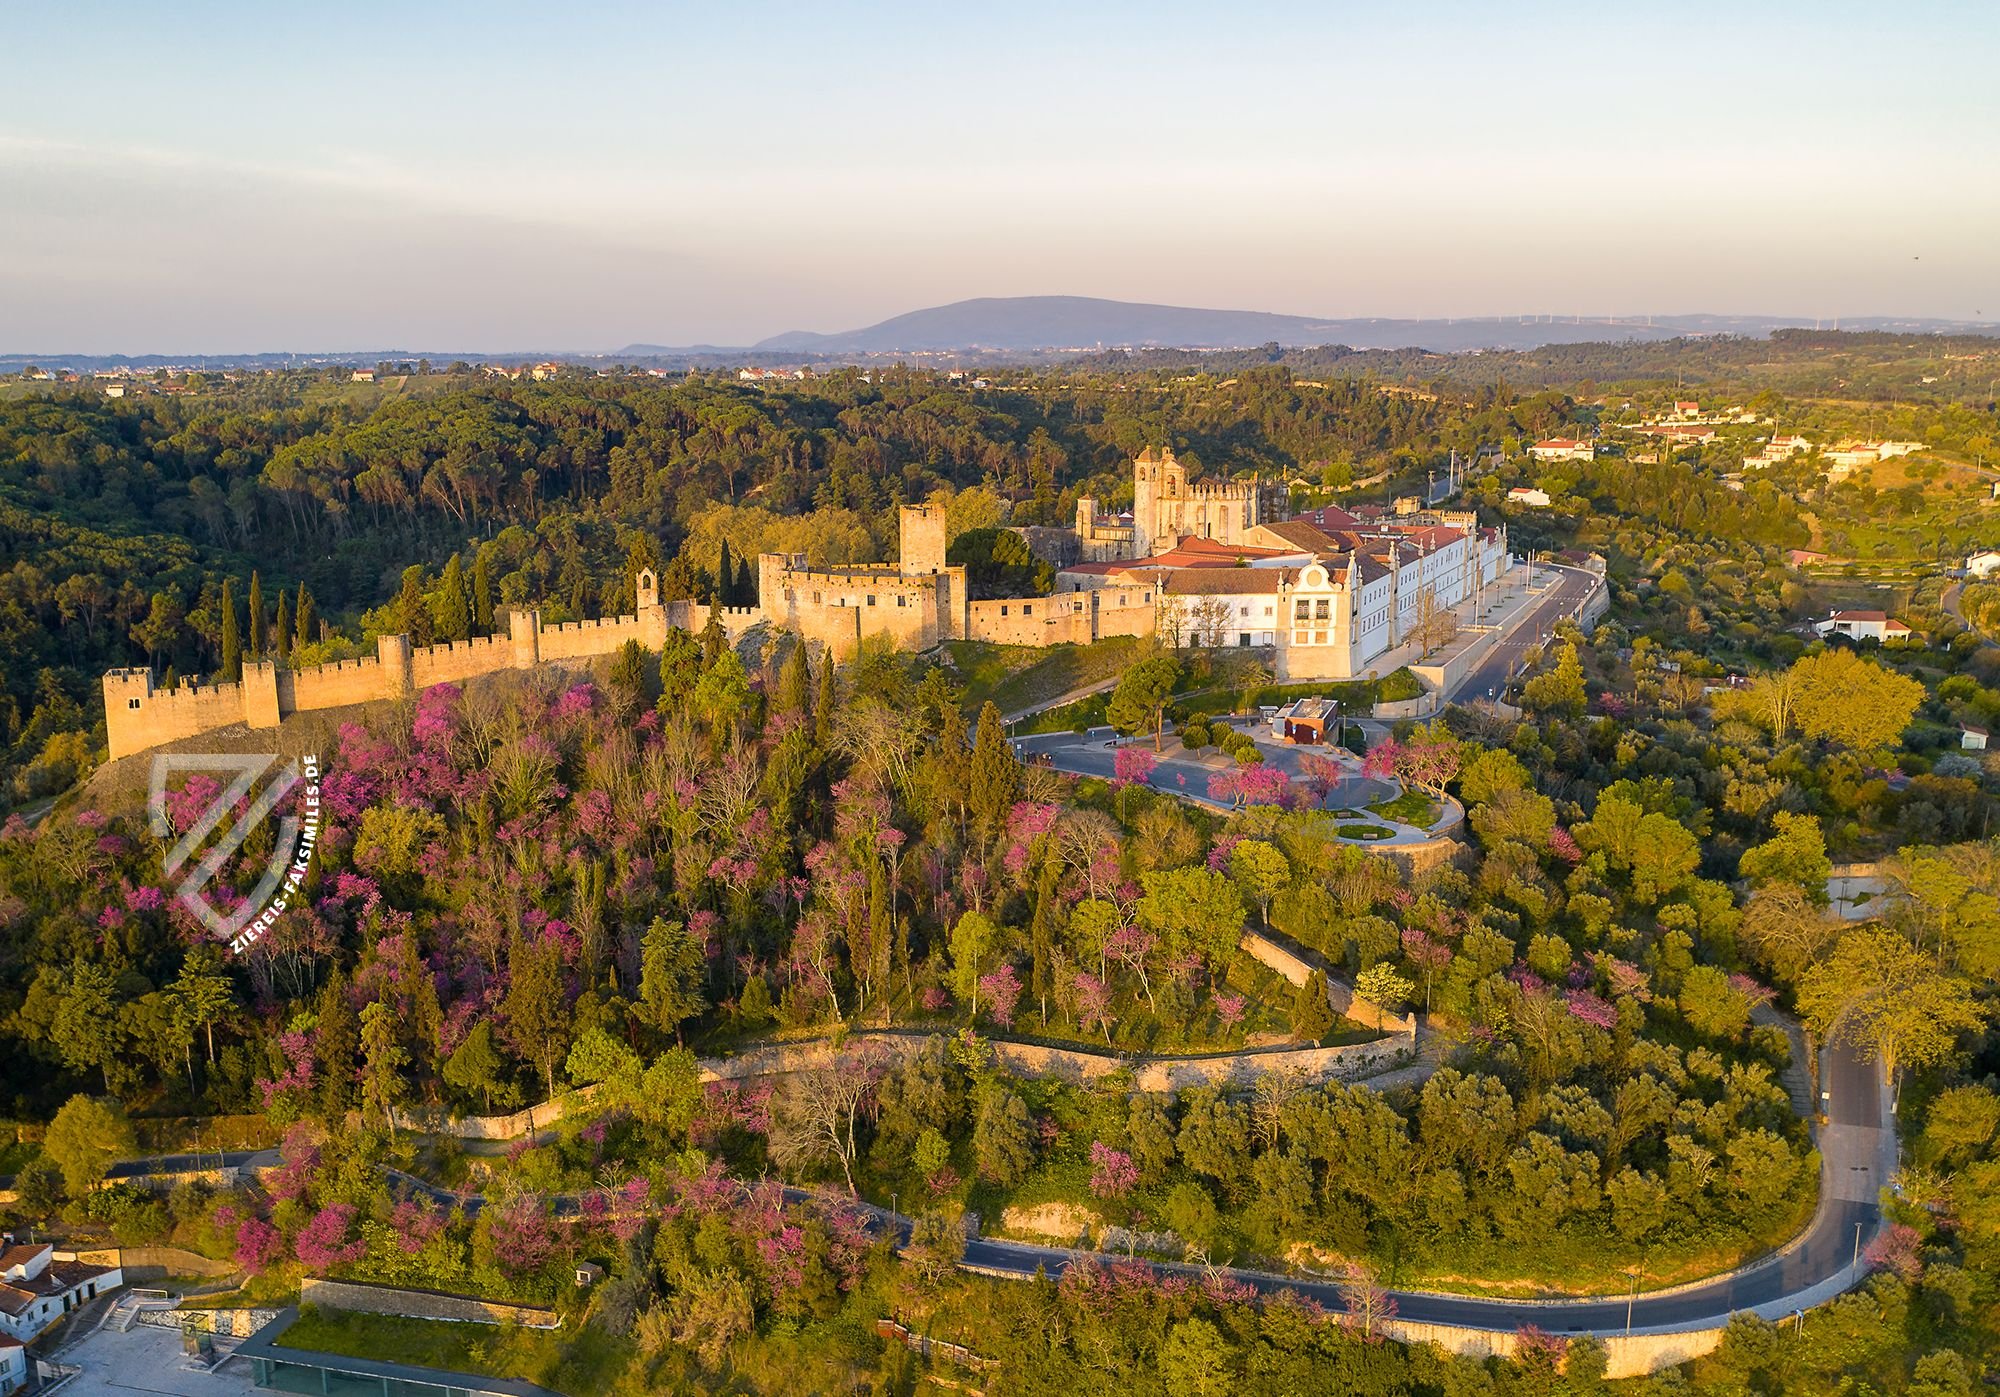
{"x": 1526, "y": 636}
{"x": 1857, "y": 1151}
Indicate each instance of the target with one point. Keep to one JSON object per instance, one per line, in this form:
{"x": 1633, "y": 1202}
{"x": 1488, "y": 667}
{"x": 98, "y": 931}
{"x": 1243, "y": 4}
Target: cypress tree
{"x": 482, "y": 594}
{"x": 308, "y": 617}
{"x": 996, "y": 775}
{"x": 336, "y": 1041}
{"x": 411, "y": 613}
{"x": 746, "y": 584}
{"x": 714, "y": 640}
{"x": 257, "y": 637}
{"x": 823, "y": 706}
{"x": 1042, "y": 939}
{"x": 454, "y": 608}
{"x": 232, "y": 640}
{"x": 795, "y": 680}
{"x": 281, "y": 629}
{"x": 725, "y": 577}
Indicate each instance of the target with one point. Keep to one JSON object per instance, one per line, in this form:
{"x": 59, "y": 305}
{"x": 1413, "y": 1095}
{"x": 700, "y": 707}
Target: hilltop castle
{"x": 1208, "y": 564}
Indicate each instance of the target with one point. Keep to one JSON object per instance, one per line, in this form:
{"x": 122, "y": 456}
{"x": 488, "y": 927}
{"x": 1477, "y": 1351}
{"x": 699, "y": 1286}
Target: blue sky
{"x": 210, "y": 177}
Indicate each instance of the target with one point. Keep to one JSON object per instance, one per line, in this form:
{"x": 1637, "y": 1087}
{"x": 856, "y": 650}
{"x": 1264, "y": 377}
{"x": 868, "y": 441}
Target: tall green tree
{"x": 454, "y": 607}
{"x": 308, "y": 617}
{"x": 670, "y": 975}
{"x": 1139, "y": 703}
{"x": 281, "y": 629}
{"x": 230, "y": 646}
{"x": 482, "y": 592}
{"x": 257, "y": 636}
{"x": 996, "y": 772}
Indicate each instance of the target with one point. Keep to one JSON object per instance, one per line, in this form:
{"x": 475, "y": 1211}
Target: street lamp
{"x": 1630, "y": 1299}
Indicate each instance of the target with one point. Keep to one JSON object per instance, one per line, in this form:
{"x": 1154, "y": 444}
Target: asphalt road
{"x": 1858, "y": 1153}
{"x": 1525, "y": 638}
{"x": 1857, "y": 1150}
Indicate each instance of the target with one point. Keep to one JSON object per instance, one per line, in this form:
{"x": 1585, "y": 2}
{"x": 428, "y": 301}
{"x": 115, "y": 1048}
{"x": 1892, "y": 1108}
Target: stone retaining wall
{"x": 421, "y": 1304}
{"x": 151, "y": 1263}
{"x": 223, "y": 1323}
{"x": 1629, "y": 1355}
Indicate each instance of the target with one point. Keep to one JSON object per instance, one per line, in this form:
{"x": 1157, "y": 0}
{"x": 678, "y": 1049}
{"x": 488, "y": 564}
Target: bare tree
{"x": 1210, "y": 618}
{"x": 819, "y": 1112}
{"x": 1366, "y": 1302}
{"x": 1434, "y": 624}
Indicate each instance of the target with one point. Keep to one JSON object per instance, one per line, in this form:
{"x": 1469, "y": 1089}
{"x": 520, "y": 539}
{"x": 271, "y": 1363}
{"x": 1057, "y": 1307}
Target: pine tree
{"x": 454, "y": 608}
{"x": 308, "y": 617}
{"x": 232, "y": 641}
{"x": 996, "y": 775}
{"x": 257, "y": 636}
{"x": 281, "y": 629}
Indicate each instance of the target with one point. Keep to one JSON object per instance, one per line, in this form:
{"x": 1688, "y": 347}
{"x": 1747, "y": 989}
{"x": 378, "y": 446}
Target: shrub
{"x": 1194, "y": 737}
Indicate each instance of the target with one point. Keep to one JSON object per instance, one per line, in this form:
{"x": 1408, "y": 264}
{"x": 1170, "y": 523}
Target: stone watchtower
{"x": 1156, "y": 476}
{"x": 921, "y": 542}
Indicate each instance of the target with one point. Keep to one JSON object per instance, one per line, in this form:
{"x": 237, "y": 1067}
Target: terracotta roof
{"x": 1214, "y": 582}
{"x": 22, "y": 1253}
{"x": 1330, "y": 516}
{"x": 1559, "y": 443}
{"x": 60, "y": 1277}
{"x": 1301, "y": 533}
{"x": 1858, "y": 616}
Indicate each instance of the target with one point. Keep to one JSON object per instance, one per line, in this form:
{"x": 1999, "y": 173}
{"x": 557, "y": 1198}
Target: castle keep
{"x": 1205, "y": 564}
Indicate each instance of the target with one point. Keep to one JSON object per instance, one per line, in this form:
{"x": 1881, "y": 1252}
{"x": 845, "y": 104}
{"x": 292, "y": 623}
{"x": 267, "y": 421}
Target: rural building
{"x": 1532, "y": 498}
{"x": 1983, "y": 563}
{"x": 37, "y": 1289}
{"x": 1972, "y": 739}
{"x": 1863, "y": 625}
{"x": 1563, "y": 449}
{"x": 13, "y": 1366}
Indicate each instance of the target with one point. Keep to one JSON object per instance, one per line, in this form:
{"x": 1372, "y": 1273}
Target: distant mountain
{"x": 1024, "y": 324}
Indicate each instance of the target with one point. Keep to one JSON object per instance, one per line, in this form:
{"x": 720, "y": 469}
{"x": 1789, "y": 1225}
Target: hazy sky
{"x": 212, "y": 177}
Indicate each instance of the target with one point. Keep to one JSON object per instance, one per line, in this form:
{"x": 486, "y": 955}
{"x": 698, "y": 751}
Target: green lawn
{"x": 1366, "y": 832}
{"x": 581, "y": 1362}
{"x": 1410, "y": 807}
{"x": 1021, "y": 676}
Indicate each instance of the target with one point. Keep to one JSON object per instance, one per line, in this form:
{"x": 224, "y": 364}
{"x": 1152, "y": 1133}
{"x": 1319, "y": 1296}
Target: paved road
{"x": 1489, "y": 677}
{"x": 1858, "y": 1155}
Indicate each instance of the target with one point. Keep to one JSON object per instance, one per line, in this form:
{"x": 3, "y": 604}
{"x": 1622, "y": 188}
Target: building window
{"x": 815, "y": 598}
{"x": 1027, "y": 610}
{"x": 131, "y": 703}
{"x": 1243, "y": 640}
{"x": 1303, "y": 612}
{"x": 902, "y": 600}
{"x": 1321, "y": 611}
{"x": 1301, "y": 638}
{"x": 1003, "y": 610}
{"x": 871, "y": 599}
{"x": 1270, "y": 610}
{"x": 1319, "y": 637}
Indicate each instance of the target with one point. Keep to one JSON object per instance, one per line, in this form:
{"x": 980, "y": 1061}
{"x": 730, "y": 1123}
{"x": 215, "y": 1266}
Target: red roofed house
{"x": 1863, "y": 625}
{"x": 36, "y": 1289}
{"x": 1563, "y": 449}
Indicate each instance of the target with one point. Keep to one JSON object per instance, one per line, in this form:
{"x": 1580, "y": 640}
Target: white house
{"x": 37, "y": 1289}
{"x": 1563, "y": 449}
{"x": 1972, "y": 739}
{"x": 1863, "y": 625}
{"x": 1984, "y": 563}
{"x": 1521, "y": 494}
{"x": 362, "y": 376}
{"x": 13, "y": 1366}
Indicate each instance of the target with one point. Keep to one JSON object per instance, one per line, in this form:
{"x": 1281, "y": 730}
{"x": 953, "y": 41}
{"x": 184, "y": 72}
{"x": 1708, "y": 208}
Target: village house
{"x": 1563, "y": 449}
{"x": 1863, "y": 625}
{"x": 1533, "y": 498}
{"x": 36, "y": 1289}
{"x": 13, "y": 1366}
{"x": 1983, "y": 563}
{"x": 1972, "y": 739}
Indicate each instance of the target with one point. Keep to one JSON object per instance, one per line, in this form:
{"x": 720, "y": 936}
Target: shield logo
{"x": 246, "y": 767}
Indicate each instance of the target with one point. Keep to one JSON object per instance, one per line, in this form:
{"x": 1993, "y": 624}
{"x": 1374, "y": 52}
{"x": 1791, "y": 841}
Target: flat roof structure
{"x": 278, "y": 1369}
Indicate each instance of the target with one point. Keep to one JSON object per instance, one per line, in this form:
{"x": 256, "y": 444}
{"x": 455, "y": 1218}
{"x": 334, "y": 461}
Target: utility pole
{"x": 1857, "y": 1246}
{"x": 1629, "y": 1300}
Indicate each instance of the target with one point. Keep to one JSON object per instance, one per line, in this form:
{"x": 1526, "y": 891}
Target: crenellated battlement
{"x": 139, "y": 715}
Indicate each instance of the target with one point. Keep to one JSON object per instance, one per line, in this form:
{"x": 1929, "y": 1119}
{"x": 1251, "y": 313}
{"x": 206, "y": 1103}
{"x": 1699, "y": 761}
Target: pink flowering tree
{"x": 1898, "y": 1248}
{"x": 1002, "y": 990}
{"x": 1093, "y": 1004}
{"x": 1112, "y": 1173}
{"x": 325, "y": 1243}
{"x": 258, "y": 1245}
{"x": 523, "y": 1238}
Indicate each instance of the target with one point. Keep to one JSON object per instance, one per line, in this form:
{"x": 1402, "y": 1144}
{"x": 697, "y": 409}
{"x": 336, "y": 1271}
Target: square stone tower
{"x": 921, "y": 545}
